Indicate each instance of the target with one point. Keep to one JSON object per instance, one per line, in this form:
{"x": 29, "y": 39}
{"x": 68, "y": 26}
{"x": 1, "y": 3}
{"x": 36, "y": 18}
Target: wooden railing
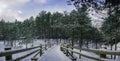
{"x": 8, "y": 52}
{"x": 28, "y": 54}
{"x": 98, "y": 51}
{"x": 102, "y": 53}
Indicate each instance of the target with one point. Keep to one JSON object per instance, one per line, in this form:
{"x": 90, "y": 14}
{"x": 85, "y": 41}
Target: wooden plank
{"x": 22, "y": 57}
{"x": 94, "y": 58}
{"x": 98, "y": 51}
{"x": 10, "y": 52}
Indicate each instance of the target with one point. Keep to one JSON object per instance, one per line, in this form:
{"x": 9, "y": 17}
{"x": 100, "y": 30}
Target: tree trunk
{"x": 96, "y": 44}
{"x": 115, "y": 48}
{"x": 111, "y": 48}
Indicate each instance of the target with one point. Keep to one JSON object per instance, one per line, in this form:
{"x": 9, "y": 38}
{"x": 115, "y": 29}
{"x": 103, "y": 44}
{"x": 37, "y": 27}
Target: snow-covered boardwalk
{"x": 54, "y": 54}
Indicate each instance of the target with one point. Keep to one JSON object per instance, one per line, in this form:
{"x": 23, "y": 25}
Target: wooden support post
{"x": 41, "y": 52}
{"x": 73, "y": 59}
{"x": 8, "y": 57}
{"x": 50, "y": 45}
{"x": 45, "y": 47}
{"x": 61, "y": 48}
{"x": 80, "y": 55}
{"x": 64, "y": 51}
{"x": 102, "y": 55}
{"x": 34, "y": 59}
{"x": 67, "y": 52}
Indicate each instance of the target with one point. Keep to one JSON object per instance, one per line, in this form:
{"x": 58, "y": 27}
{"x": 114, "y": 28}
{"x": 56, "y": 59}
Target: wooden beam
{"x": 10, "y": 52}
{"x": 98, "y": 51}
{"x": 94, "y": 58}
{"x": 22, "y": 57}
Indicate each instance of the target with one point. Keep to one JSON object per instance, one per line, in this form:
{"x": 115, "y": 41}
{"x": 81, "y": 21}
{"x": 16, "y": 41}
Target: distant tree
{"x": 111, "y": 28}
{"x": 2, "y": 29}
{"x": 84, "y": 23}
{"x": 94, "y": 3}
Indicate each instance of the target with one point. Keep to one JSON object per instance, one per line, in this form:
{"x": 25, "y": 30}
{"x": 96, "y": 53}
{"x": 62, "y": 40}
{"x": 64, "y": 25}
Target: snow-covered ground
{"x": 2, "y": 46}
{"x": 54, "y": 54}
{"x": 92, "y": 55}
{"x": 36, "y": 42}
{"x": 86, "y": 53}
{"x": 113, "y": 47}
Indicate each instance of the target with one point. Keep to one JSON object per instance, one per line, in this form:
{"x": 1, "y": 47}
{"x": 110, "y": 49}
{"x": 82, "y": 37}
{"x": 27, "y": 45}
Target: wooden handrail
{"x": 102, "y": 53}
{"x": 94, "y": 58}
{"x": 98, "y": 51}
{"x": 20, "y": 58}
{"x": 10, "y": 52}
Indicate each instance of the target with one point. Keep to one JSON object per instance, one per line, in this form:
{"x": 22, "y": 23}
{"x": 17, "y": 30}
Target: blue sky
{"x": 22, "y": 9}
{"x": 34, "y": 8}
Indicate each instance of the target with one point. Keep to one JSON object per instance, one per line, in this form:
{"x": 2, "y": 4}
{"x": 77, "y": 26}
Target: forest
{"x": 75, "y": 27}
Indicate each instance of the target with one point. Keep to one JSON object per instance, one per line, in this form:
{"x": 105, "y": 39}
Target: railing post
{"x": 67, "y": 52}
{"x": 41, "y": 52}
{"x": 102, "y": 55}
{"x": 80, "y": 55}
{"x": 61, "y": 48}
{"x": 34, "y": 59}
{"x": 73, "y": 59}
{"x": 8, "y": 57}
{"x": 45, "y": 47}
{"x": 50, "y": 44}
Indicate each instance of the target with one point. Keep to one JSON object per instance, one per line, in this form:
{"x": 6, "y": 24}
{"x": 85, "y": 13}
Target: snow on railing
{"x": 90, "y": 57}
{"x": 8, "y": 52}
{"x": 102, "y": 53}
{"x": 22, "y": 57}
{"x": 98, "y": 51}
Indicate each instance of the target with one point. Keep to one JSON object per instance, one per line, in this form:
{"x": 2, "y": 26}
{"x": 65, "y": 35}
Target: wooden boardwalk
{"x": 54, "y": 54}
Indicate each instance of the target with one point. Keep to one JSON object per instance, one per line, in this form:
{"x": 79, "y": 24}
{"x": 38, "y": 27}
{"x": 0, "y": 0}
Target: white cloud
{"x": 58, "y": 8}
{"x": 14, "y": 2}
{"x": 11, "y": 15}
{"x": 97, "y": 18}
{"x": 9, "y": 11}
{"x": 40, "y": 1}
